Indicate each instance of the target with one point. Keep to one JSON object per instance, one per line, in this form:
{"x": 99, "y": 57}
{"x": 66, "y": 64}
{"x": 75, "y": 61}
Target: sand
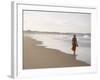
{"x": 35, "y": 57}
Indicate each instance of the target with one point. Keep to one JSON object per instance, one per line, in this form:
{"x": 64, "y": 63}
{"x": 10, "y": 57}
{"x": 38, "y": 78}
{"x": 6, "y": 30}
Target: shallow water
{"x": 63, "y": 43}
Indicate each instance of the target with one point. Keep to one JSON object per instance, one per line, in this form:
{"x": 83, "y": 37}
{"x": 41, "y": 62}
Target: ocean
{"x": 63, "y": 42}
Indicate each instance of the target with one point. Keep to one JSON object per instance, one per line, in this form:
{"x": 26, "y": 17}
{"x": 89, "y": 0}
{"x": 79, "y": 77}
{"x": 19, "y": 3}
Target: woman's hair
{"x": 74, "y": 35}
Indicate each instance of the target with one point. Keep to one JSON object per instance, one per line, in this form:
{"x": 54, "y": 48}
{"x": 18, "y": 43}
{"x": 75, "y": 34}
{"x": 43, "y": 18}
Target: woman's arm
{"x": 76, "y": 42}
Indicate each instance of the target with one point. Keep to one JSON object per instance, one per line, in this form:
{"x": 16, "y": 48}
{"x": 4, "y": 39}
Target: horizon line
{"x": 57, "y": 32}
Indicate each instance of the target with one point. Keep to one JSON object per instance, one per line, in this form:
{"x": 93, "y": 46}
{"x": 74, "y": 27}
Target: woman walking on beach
{"x": 74, "y": 44}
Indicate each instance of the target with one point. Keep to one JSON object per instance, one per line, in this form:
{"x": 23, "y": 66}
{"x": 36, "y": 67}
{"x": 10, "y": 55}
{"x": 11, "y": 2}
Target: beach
{"x": 35, "y": 57}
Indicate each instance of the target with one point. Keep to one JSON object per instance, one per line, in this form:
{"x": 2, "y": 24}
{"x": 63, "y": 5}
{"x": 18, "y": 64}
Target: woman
{"x": 74, "y": 44}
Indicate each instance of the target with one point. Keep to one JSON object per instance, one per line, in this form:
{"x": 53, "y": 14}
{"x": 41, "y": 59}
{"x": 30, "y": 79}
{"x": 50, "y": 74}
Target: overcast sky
{"x": 57, "y": 22}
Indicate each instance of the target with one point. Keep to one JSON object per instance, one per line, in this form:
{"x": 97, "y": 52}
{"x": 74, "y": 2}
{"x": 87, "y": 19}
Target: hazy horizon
{"x": 53, "y": 32}
{"x": 57, "y": 22}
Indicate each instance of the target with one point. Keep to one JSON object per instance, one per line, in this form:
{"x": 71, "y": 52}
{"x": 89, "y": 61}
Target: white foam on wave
{"x": 86, "y": 36}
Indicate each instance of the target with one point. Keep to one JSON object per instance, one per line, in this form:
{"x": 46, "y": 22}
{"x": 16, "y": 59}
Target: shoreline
{"x": 35, "y": 57}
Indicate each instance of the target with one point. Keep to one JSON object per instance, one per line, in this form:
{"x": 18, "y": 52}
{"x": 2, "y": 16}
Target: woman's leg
{"x": 74, "y": 51}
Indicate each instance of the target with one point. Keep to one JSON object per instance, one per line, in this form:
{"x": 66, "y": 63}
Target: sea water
{"x": 63, "y": 42}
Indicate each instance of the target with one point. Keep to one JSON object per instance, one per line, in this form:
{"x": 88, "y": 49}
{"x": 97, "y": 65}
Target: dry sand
{"x": 40, "y": 57}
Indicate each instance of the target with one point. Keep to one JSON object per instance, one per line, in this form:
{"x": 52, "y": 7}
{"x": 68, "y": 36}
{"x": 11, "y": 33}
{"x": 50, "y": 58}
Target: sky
{"x": 57, "y": 21}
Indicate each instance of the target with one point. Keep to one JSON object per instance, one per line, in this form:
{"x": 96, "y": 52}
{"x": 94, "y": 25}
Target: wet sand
{"x": 35, "y": 57}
